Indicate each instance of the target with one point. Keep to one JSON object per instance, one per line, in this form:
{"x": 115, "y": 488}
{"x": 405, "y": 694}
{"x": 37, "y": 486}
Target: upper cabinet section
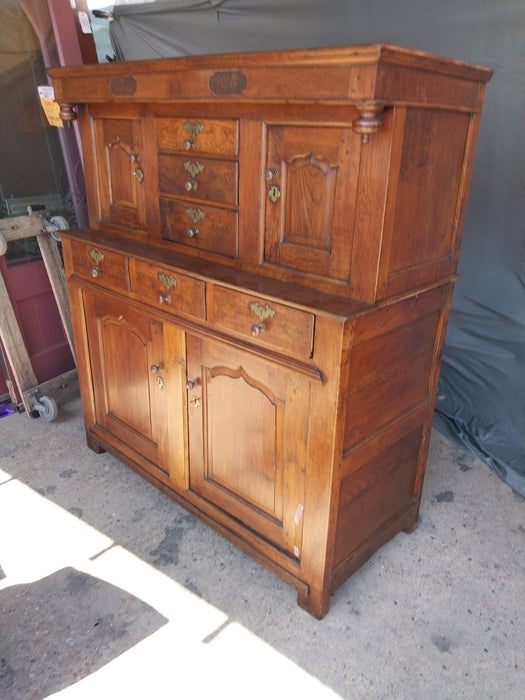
{"x": 344, "y": 170}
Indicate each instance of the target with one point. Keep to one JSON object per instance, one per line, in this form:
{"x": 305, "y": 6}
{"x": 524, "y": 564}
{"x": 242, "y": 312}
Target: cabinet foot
{"x": 315, "y": 603}
{"x": 409, "y": 529}
{"x": 93, "y": 444}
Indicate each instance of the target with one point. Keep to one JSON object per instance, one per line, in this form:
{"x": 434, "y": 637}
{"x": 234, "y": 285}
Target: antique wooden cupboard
{"x": 260, "y": 302}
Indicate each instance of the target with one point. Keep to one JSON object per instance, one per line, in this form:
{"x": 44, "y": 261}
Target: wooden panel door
{"x": 248, "y": 433}
{"x": 311, "y": 174}
{"x": 132, "y": 379}
{"x": 119, "y": 164}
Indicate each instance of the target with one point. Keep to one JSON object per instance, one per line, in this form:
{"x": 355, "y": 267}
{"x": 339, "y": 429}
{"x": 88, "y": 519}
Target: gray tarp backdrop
{"x": 481, "y": 397}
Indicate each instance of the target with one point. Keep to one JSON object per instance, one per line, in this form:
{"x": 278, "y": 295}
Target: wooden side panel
{"x": 391, "y": 373}
{"x": 394, "y": 369}
{"x": 425, "y": 199}
{"x": 379, "y": 483}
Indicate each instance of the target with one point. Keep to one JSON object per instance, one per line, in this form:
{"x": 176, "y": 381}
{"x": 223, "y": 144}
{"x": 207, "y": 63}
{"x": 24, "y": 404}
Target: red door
{"x": 37, "y": 313}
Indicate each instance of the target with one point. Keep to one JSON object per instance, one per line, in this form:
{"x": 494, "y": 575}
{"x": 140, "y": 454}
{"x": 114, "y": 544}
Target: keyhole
{"x": 274, "y": 193}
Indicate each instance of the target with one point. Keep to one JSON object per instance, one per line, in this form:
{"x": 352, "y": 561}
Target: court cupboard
{"x": 260, "y": 302}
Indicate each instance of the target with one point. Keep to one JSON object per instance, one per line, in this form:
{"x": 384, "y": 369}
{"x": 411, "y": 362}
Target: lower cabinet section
{"x": 308, "y": 461}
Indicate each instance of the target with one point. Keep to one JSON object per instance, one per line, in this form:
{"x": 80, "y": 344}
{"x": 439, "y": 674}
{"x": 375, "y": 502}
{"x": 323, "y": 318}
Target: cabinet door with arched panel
{"x": 311, "y": 180}
{"x": 248, "y": 435}
{"x": 120, "y": 187}
{"x": 137, "y": 385}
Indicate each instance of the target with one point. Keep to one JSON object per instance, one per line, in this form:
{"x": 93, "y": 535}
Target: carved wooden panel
{"x": 248, "y": 430}
{"x": 311, "y": 180}
{"x": 120, "y": 172}
{"x": 129, "y": 378}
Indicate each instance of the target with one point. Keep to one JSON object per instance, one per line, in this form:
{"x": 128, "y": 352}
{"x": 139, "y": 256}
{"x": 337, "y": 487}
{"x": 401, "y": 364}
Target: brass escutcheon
{"x": 194, "y": 168}
{"x": 262, "y": 312}
{"x": 96, "y": 256}
{"x": 167, "y": 280}
{"x": 193, "y": 128}
{"x": 195, "y": 214}
{"x": 274, "y": 193}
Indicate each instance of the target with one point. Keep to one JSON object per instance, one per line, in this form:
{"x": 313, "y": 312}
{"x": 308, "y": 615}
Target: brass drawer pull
{"x": 270, "y": 173}
{"x": 195, "y": 214}
{"x": 263, "y": 313}
{"x": 168, "y": 281}
{"x": 192, "y": 232}
{"x": 193, "y": 167}
{"x": 97, "y": 256}
{"x": 193, "y": 129}
{"x": 191, "y": 185}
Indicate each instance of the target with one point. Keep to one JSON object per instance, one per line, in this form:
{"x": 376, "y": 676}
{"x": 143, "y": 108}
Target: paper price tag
{"x": 50, "y": 107}
{"x": 85, "y": 24}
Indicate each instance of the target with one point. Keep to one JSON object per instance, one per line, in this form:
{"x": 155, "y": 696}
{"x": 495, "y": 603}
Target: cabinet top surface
{"x": 367, "y": 72}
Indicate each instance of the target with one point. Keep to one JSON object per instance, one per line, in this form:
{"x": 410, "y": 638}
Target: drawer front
{"x": 100, "y": 266}
{"x": 167, "y": 289}
{"x": 199, "y": 226}
{"x": 208, "y": 179}
{"x": 213, "y": 136}
{"x": 262, "y": 321}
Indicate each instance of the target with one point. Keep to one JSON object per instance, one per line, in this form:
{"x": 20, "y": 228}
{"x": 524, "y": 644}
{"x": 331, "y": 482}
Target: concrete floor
{"x": 110, "y": 590}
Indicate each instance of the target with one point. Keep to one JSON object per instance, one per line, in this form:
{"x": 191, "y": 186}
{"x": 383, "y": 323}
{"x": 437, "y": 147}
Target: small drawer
{"x": 262, "y": 321}
{"x": 212, "y": 229}
{"x": 100, "y": 266}
{"x": 213, "y": 136}
{"x": 205, "y": 178}
{"x": 167, "y": 289}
